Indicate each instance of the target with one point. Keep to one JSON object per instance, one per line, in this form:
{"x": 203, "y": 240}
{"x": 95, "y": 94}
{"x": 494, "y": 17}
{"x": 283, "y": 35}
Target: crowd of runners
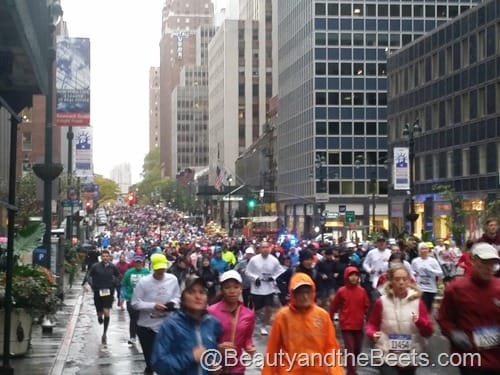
{"x": 166, "y": 270}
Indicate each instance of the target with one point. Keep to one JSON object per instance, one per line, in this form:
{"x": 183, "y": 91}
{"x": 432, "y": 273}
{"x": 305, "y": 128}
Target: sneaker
{"x": 263, "y": 331}
{"x": 103, "y": 339}
{"x": 131, "y": 341}
{"x": 336, "y": 316}
{"x": 100, "y": 319}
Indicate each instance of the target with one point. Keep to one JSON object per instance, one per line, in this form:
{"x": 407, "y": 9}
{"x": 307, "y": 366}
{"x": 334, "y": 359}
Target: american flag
{"x": 218, "y": 179}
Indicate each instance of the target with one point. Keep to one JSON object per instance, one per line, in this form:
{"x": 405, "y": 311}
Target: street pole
{"x": 70, "y": 196}
{"x": 48, "y": 171}
{"x": 374, "y": 203}
{"x": 411, "y": 131}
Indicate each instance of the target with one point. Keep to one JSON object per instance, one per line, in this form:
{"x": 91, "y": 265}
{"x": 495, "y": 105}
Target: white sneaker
{"x": 336, "y": 316}
{"x": 131, "y": 341}
{"x": 263, "y": 331}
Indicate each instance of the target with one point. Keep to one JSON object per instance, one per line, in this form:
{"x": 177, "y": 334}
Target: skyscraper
{"x": 332, "y": 127}
{"x": 181, "y": 18}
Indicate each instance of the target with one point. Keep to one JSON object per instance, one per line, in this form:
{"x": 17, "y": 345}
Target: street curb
{"x": 58, "y": 366}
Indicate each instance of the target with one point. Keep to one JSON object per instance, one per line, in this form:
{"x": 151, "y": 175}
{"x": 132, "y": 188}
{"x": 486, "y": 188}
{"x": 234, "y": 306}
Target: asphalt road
{"x": 86, "y": 356}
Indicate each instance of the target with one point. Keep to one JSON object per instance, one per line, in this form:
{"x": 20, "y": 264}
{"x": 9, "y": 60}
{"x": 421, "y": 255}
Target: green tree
{"x": 108, "y": 189}
{"x": 27, "y": 203}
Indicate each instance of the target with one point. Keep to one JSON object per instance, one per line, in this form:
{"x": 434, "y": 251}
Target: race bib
{"x": 104, "y": 292}
{"x": 399, "y": 342}
{"x": 486, "y": 337}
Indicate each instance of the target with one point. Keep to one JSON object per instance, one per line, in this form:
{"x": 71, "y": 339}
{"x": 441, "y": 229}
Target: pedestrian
{"x": 263, "y": 269}
{"x": 352, "y": 302}
{"x": 103, "y": 278}
{"x": 469, "y": 314}
{"x": 427, "y": 272}
{"x": 325, "y": 278}
{"x": 241, "y": 268}
{"x": 129, "y": 282}
{"x": 376, "y": 262}
{"x": 155, "y": 296}
{"x": 300, "y": 329}
{"x": 217, "y": 263}
{"x": 238, "y": 321}
{"x": 491, "y": 233}
{"x": 187, "y": 334}
{"x": 210, "y": 277}
{"x": 464, "y": 264}
{"x": 122, "y": 266}
{"x": 398, "y": 324}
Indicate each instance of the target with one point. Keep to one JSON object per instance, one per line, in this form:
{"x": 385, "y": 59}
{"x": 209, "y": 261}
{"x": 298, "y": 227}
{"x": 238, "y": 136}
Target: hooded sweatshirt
{"x": 352, "y": 302}
{"x": 303, "y": 335}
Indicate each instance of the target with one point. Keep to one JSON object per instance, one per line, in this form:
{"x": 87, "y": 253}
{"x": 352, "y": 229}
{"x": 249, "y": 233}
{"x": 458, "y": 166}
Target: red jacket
{"x": 352, "y": 302}
{"x": 468, "y": 304}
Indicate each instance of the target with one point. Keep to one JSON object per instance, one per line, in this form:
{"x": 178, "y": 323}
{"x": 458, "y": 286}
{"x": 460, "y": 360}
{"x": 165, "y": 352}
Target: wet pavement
{"x": 74, "y": 347}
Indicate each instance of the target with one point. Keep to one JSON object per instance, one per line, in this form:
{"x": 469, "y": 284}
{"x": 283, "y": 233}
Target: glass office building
{"x": 450, "y": 81}
{"x": 332, "y": 124}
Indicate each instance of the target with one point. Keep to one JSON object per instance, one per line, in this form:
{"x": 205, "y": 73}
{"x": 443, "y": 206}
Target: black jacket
{"x": 103, "y": 276}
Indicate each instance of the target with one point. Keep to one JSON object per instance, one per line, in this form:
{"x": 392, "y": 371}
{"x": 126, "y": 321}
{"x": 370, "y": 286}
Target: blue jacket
{"x": 178, "y": 335}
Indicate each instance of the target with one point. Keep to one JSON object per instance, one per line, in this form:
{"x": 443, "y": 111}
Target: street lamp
{"x": 229, "y": 218}
{"x": 48, "y": 171}
{"x": 410, "y": 131}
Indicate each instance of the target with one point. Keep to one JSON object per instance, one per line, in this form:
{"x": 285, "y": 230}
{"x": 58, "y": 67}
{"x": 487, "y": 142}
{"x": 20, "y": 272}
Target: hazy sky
{"x": 124, "y": 35}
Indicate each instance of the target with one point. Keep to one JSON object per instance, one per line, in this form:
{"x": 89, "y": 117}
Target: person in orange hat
{"x": 302, "y": 330}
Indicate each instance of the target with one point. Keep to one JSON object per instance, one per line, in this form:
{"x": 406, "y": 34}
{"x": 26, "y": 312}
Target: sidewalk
{"x": 45, "y": 348}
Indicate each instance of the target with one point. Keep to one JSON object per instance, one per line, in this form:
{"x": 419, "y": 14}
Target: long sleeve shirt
{"x": 425, "y": 271}
{"x": 376, "y": 263}
{"x": 150, "y": 291}
{"x": 266, "y": 270}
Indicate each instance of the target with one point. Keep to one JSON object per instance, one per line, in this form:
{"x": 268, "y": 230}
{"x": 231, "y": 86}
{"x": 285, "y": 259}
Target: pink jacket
{"x": 244, "y": 328}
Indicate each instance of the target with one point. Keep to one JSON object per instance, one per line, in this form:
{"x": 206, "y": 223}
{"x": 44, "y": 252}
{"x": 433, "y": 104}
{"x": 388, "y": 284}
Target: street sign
{"x": 350, "y": 216}
{"x": 332, "y": 215}
{"x": 70, "y": 207}
{"x": 322, "y": 197}
{"x": 342, "y": 207}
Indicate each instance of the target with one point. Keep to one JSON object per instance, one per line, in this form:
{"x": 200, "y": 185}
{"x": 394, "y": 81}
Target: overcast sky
{"x": 124, "y": 35}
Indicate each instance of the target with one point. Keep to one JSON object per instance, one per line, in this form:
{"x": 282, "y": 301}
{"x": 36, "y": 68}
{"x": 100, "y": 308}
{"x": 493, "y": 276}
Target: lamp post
{"x": 410, "y": 131}
{"x": 48, "y": 171}
{"x": 229, "y": 214}
{"x": 319, "y": 163}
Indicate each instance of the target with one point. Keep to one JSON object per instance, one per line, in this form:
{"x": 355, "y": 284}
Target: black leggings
{"x": 428, "y": 299}
{"x": 134, "y": 316}
{"x": 147, "y": 339}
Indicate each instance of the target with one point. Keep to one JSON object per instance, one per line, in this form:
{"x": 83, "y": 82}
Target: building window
{"x": 465, "y": 162}
{"x": 481, "y": 45}
{"x": 26, "y": 141}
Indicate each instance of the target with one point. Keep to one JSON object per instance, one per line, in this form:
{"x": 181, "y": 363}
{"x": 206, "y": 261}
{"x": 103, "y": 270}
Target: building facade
{"x": 181, "y": 19}
{"x": 233, "y": 93}
{"x": 154, "y": 108}
{"x": 122, "y": 175}
{"x": 450, "y": 82}
{"x": 332, "y": 125}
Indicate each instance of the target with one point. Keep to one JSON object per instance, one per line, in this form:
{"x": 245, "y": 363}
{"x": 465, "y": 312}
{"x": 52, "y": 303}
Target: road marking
{"x": 62, "y": 354}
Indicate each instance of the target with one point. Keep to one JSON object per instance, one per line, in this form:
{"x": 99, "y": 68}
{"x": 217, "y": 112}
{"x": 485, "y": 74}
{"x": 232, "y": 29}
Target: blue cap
{"x": 138, "y": 258}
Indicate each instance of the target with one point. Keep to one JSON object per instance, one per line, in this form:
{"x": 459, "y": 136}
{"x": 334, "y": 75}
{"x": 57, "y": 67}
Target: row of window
{"x": 350, "y": 69}
{"x": 469, "y": 50}
{"x": 385, "y": 10}
{"x": 362, "y": 39}
{"x": 351, "y": 98}
{"x": 469, "y": 161}
{"x": 351, "y": 128}
{"x": 352, "y": 187}
{"x": 470, "y": 105}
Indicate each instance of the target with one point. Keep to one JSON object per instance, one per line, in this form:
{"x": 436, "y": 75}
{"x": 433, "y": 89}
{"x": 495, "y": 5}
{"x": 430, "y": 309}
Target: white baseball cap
{"x": 485, "y": 251}
{"x": 249, "y": 250}
{"x": 231, "y": 275}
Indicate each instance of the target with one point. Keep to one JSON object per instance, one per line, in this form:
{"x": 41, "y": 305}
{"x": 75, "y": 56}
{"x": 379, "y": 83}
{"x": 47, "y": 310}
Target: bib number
{"x": 486, "y": 337}
{"x": 399, "y": 342}
{"x": 104, "y": 292}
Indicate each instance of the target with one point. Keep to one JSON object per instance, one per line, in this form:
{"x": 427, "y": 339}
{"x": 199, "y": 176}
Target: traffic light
{"x": 131, "y": 199}
{"x": 251, "y": 203}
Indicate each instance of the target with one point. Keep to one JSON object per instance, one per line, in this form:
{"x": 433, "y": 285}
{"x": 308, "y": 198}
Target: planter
{"x": 20, "y": 332}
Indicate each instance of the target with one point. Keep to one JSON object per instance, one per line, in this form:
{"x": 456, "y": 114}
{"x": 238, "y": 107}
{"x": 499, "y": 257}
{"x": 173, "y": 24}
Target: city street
{"x": 86, "y": 356}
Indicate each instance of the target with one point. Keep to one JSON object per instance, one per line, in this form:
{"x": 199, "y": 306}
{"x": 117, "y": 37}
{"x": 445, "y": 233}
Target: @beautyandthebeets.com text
{"x": 213, "y": 360}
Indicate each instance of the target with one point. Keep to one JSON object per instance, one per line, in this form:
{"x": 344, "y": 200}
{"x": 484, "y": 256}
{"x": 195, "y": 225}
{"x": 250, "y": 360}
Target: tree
{"x": 108, "y": 189}
{"x": 27, "y": 202}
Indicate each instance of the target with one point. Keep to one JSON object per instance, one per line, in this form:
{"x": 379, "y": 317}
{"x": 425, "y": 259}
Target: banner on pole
{"x": 401, "y": 168}
{"x": 73, "y": 81}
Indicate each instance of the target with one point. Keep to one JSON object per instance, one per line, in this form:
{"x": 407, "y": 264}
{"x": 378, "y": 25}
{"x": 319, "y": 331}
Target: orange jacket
{"x": 304, "y": 338}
